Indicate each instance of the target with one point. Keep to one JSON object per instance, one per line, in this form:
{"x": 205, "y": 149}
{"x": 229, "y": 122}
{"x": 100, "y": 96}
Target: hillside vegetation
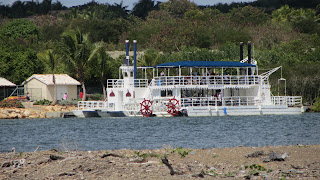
{"x": 283, "y": 33}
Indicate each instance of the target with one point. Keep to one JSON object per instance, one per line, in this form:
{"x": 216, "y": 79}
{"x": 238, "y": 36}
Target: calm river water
{"x": 152, "y": 133}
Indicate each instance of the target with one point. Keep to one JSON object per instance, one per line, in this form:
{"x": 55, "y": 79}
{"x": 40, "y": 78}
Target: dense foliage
{"x": 11, "y": 104}
{"x": 284, "y": 33}
{"x": 316, "y": 106}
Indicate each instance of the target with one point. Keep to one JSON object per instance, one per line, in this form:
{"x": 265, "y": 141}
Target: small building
{"x": 40, "y": 86}
{"x": 5, "y": 85}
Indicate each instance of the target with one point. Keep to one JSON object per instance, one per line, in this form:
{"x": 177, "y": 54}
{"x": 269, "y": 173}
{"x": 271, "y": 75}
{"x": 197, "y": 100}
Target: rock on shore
{"x": 35, "y": 111}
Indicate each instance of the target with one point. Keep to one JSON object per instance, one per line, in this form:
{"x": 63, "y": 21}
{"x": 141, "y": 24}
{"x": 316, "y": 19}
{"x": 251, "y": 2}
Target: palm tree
{"x": 142, "y": 8}
{"x": 77, "y": 49}
{"x": 119, "y": 10}
{"x": 102, "y": 62}
{"x": 51, "y": 60}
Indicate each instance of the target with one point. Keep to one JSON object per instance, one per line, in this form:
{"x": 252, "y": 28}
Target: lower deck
{"x": 204, "y": 106}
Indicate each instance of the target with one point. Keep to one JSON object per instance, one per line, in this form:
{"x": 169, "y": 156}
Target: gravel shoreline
{"x": 270, "y": 162}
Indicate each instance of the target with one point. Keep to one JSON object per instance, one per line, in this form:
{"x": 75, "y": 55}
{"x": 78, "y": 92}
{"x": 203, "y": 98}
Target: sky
{"x": 129, "y": 3}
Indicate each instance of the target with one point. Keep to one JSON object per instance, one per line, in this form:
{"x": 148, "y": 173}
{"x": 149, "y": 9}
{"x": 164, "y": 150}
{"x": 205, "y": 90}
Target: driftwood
{"x": 166, "y": 162}
{"x": 111, "y": 154}
{"x": 67, "y": 174}
{"x": 54, "y": 157}
{"x": 36, "y": 149}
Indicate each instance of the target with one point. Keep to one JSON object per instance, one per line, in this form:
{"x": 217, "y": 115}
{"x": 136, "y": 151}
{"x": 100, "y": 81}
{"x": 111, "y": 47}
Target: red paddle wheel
{"x": 146, "y": 108}
{"x": 173, "y": 106}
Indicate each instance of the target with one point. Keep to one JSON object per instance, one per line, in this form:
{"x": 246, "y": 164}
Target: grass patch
{"x": 182, "y": 152}
{"x": 256, "y": 169}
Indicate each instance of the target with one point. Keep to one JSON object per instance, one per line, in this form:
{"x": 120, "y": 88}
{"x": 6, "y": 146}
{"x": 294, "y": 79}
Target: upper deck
{"x": 183, "y": 81}
{"x": 191, "y": 73}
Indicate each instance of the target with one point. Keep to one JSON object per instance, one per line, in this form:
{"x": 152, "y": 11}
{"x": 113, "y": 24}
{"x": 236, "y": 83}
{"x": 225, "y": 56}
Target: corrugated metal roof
{"x": 61, "y": 79}
{"x": 205, "y": 64}
{"x": 5, "y": 82}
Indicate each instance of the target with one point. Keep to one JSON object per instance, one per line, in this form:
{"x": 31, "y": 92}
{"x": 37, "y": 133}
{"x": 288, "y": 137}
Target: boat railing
{"x": 225, "y": 101}
{"x": 83, "y": 105}
{"x": 205, "y": 80}
{"x": 120, "y": 83}
{"x": 141, "y": 83}
{"x": 290, "y": 101}
{"x": 115, "y": 83}
{"x": 241, "y": 101}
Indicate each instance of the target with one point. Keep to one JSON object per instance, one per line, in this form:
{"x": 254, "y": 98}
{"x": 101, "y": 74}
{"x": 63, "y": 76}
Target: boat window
{"x": 165, "y": 93}
{"x": 125, "y": 74}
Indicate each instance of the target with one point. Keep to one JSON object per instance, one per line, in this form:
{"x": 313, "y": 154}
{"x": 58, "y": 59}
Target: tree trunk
{"x": 84, "y": 92}
{"x": 54, "y": 102}
{"x": 103, "y": 90}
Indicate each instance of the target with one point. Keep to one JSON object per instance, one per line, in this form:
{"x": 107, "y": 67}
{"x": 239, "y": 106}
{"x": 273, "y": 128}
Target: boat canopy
{"x": 204, "y": 64}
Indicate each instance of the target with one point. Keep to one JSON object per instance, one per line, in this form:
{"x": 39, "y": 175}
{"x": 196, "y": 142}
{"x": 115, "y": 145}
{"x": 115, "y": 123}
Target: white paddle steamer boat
{"x": 193, "y": 88}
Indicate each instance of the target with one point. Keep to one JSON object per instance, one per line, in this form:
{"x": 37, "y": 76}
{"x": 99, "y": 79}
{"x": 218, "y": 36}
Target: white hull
{"x": 242, "y": 111}
{"x": 78, "y": 113}
{"x": 221, "y": 111}
{"x": 231, "y": 111}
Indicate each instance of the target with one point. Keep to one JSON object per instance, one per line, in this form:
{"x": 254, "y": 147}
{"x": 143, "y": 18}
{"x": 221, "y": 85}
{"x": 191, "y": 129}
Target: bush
{"x": 95, "y": 97}
{"x": 181, "y": 151}
{"x": 68, "y": 103}
{"x": 11, "y": 104}
{"x": 42, "y": 102}
{"x": 316, "y": 106}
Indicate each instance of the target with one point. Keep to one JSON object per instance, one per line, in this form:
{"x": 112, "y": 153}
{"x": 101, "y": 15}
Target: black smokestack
{"x": 241, "y": 51}
{"x": 249, "y": 52}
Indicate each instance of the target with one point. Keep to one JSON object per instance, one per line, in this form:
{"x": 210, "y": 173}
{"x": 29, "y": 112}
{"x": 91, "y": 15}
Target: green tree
{"x": 150, "y": 58}
{"x": 248, "y": 15}
{"x": 142, "y": 8}
{"x": 119, "y": 10}
{"x": 282, "y": 14}
{"x": 305, "y": 20}
{"x": 194, "y": 14}
{"x": 18, "y": 9}
{"x": 20, "y": 32}
{"x": 18, "y": 59}
{"x": 51, "y": 60}
{"x": 17, "y": 64}
{"x": 101, "y": 30}
{"x": 178, "y": 8}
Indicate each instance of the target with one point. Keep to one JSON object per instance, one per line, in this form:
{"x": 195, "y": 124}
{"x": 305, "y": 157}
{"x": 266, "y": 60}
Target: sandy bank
{"x": 289, "y": 162}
